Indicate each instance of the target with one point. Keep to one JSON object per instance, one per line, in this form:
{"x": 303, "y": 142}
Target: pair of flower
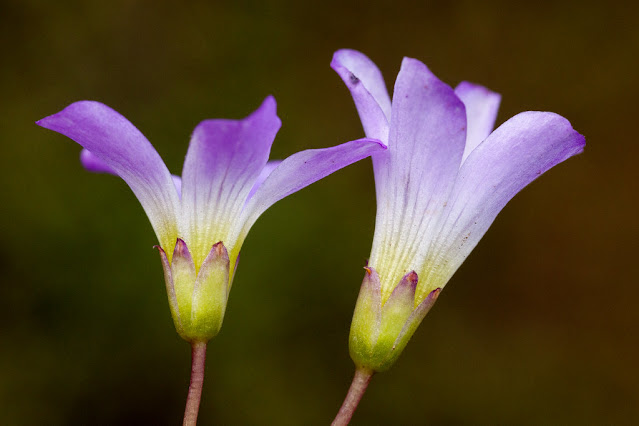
{"x": 441, "y": 174}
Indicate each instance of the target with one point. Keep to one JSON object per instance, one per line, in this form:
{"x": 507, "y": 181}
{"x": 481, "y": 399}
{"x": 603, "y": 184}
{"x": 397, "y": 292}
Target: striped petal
{"x": 123, "y": 150}
{"x": 365, "y": 81}
{"x": 514, "y": 155}
{"x": 224, "y": 160}
{"x": 427, "y": 138}
{"x": 94, "y": 164}
{"x": 368, "y": 89}
{"x": 481, "y": 112}
{"x": 300, "y": 170}
{"x": 266, "y": 171}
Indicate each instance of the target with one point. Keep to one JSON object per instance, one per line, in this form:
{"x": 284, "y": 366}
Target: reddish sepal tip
{"x": 219, "y": 248}
{"x": 434, "y": 294}
{"x": 412, "y": 277}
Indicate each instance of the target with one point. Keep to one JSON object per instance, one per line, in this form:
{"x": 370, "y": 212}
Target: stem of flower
{"x": 355, "y": 392}
{"x": 198, "y": 357}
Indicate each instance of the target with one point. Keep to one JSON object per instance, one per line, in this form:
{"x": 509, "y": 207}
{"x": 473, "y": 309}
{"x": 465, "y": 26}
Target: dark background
{"x": 539, "y": 326}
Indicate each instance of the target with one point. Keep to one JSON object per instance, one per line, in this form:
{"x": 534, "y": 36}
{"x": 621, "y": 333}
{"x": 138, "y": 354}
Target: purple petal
{"x": 224, "y": 160}
{"x": 302, "y": 169}
{"x": 93, "y": 164}
{"x": 177, "y": 182}
{"x": 427, "y": 138}
{"x": 266, "y": 171}
{"x": 121, "y": 147}
{"x": 365, "y": 81}
{"x": 481, "y": 112}
{"x": 514, "y": 155}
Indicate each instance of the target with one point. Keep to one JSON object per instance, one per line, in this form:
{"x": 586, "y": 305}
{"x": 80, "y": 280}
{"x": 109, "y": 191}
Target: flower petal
{"x": 300, "y": 170}
{"x": 266, "y": 171}
{"x": 224, "y": 160}
{"x": 514, "y": 155}
{"x": 177, "y": 182}
{"x": 481, "y": 112}
{"x": 365, "y": 81}
{"x": 427, "y": 137}
{"x": 367, "y": 86}
{"x": 93, "y": 164}
{"x": 121, "y": 147}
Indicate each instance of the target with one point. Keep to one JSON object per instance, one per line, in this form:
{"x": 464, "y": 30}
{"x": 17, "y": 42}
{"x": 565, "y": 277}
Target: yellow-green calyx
{"x": 379, "y": 332}
{"x": 197, "y": 297}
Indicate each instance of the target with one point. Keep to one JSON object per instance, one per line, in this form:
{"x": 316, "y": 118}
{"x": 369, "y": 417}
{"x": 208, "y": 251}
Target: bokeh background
{"x": 539, "y": 326}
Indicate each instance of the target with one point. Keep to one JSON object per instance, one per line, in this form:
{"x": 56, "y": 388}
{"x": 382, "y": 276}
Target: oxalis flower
{"x": 440, "y": 184}
{"x": 202, "y": 219}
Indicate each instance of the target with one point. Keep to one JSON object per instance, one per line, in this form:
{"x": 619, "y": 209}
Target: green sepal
{"x": 197, "y": 299}
{"x": 379, "y": 333}
{"x": 210, "y": 294}
{"x": 367, "y": 318}
{"x": 183, "y": 275}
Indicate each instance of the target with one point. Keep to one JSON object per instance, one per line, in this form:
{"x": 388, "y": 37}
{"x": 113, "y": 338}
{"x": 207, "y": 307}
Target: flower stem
{"x": 198, "y": 357}
{"x": 355, "y": 392}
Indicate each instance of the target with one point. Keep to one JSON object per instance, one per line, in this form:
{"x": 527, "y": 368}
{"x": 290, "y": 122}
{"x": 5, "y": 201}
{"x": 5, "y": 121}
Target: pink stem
{"x": 198, "y": 357}
{"x": 358, "y": 387}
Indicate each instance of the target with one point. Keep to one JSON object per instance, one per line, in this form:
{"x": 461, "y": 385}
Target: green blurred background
{"x": 539, "y": 326}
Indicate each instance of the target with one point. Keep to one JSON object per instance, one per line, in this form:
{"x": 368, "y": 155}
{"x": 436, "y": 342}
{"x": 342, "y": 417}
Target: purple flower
{"x": 441, "y": 183}
{"x": 201, "y": 220}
